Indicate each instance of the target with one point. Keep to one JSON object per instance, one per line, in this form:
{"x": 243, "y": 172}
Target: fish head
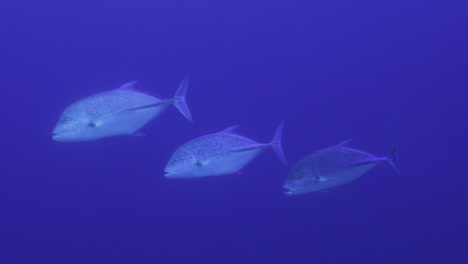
{"x": 301, "y": 182}
{"x": 72, "y": 127}
{"x": 185, "y": 165}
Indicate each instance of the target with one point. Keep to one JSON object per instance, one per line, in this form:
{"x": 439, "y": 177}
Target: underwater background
{"x": 372, "y": 71}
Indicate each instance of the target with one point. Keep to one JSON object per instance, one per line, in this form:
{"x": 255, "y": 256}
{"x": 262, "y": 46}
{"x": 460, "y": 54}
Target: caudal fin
{"x": 392, "y": 158}
{"x": 179, "y": 99}
{"x": 276, "y": 144}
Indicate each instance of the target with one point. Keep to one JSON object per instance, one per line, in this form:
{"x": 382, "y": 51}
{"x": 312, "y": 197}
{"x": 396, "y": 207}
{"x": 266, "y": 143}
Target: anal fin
{"x": 138, "y": 133}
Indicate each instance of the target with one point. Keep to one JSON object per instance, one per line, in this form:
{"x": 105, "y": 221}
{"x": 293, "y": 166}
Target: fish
{"x": 121, "y": 111}
{"x": 332, "y": 167}
{"x": 220, "y": 153}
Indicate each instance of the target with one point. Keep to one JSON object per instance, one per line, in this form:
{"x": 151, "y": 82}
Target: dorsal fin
{"x": 344, "y": 143}
{"x": 128, "y": 86}
{"x": 230, "y": 129}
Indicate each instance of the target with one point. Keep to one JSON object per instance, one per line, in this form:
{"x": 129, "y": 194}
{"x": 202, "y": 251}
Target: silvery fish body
{"x": 218, "y": 154}
{"x": 121, "y": 111}
{"x": 331, "y": 167}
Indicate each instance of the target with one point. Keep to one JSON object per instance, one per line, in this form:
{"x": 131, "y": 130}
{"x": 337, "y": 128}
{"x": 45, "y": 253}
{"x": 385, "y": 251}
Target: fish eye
{"x": 176, "y": 160}
{"x": 67, "y": 119}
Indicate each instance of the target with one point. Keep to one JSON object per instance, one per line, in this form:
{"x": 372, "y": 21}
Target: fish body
{"x": 331, "y": 167}
{"x": 121, "y": 111}
{"x": 218, "y": 154}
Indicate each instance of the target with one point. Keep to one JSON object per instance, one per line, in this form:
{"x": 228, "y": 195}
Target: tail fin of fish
{"x": 392, "y": 158}
{"x": 179, "y": 99}
{"x": 276, "y": 144}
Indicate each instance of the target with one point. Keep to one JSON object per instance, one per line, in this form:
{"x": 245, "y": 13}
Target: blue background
{"x": 374, "y": 71}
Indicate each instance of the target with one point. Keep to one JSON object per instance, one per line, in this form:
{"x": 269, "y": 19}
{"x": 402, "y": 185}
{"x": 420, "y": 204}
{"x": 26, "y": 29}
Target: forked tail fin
{"x": 179, "y": 100}
{"x": 276, "y": 144}
{"x": 392, "y": 158}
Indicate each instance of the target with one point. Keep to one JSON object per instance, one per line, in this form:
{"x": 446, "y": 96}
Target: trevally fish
{"x": 219, "y": 154}
{"x": 331, "y": 167}
{"x": 122, "y": 111}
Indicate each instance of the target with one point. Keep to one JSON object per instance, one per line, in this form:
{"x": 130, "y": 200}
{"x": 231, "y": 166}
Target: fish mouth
{"x": 287, "y": 191}
{"x": 167, "y": 174}
{"x": 58, "y": 136}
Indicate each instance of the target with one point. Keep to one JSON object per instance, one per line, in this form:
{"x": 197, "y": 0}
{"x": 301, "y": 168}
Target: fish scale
{"x": 112, "y": 101}
{"x": 331, "y": 167}
{"x": 121, "y": 111}
{"x": 218, "y": 154}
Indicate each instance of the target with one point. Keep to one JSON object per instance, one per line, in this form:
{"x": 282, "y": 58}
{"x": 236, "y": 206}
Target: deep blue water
{"x": 374, "y": 71}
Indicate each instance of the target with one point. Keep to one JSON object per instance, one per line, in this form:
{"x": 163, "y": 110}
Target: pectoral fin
{"x": 367, "y": 161}
{"x": 148, "y": 105}
{"x": 251, "y": 147}
{"x": 99, "y": 121}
